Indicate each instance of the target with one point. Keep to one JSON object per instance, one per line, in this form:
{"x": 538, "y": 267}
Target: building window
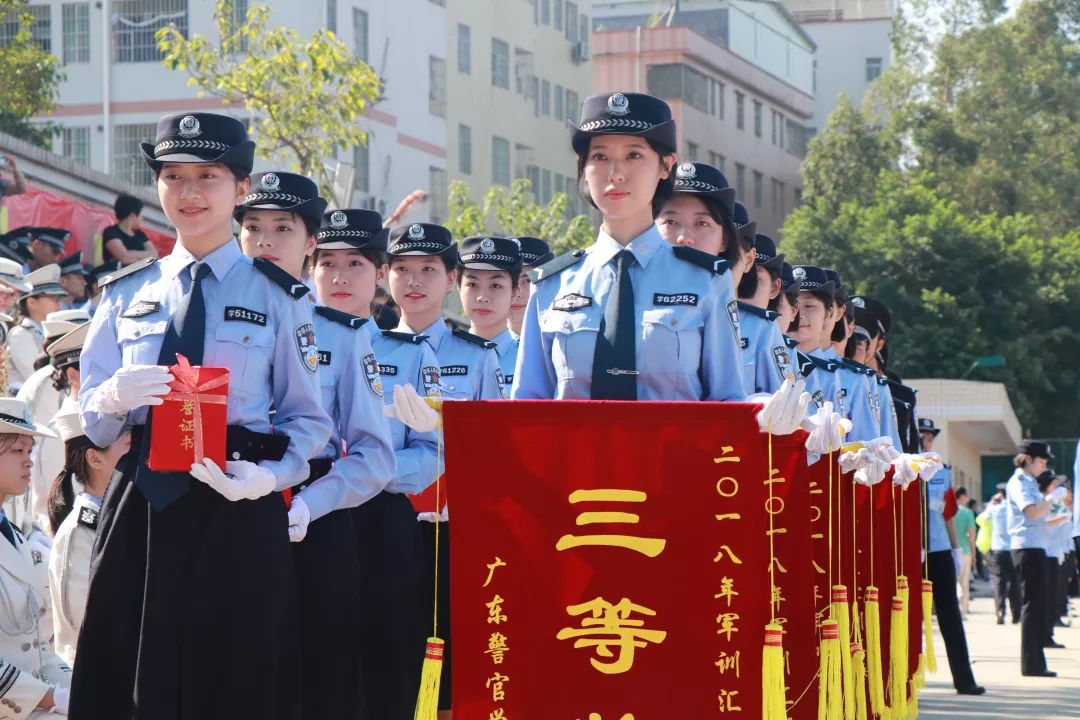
{"x": 545, "y": 187}
{"x": 437, "y": 86}
{"x": 136, "y": 22}
{"x": 573, "y": 106}
{"x": 716, "y": 98}
{"x": 873, "y": 69}
{"x": 559, "y": 97}
{"x": 759, "y": 111}
{"x": 740, "y": 180}
{"x": 759, "y": 190}
{"x": 75, "y": 18}
{"x": 127, "y": 161}
{"x": 464, "y": 49}
{"x": 362, "y": 166}
{"x": 545, "y": 98}
{"x": 691, "y": 151}
{"x": 500, "y": 161}
{"x": 360, "y": 33}
{"x": 556, "y": 15}
{"x": 464, "y": 135}
{"x": 740, "y": 107}
{"x": 545, "y": 12}
{"x": 77, "y": 144}
{"x": 584, "y": 34}
{"x": 679, "y": 82}
{"x": 798, "y": 197}
{"x": 500, "y": 64}
{"x": 571, "y": 30}
{"x": 40, "y": 26}
{"x": 331, "y": 15}
{"x": 774, "y": 185}
{"x": 782, "y": 191}
{"x": 438, "y": 187}
{"x": 716, "y": 160}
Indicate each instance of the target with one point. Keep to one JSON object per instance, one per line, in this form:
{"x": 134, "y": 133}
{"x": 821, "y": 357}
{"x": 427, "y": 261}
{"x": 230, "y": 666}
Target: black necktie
{"x": 5, "y": 528}
{"x": 185, "y": 334}
{"x": 615, "y": 360}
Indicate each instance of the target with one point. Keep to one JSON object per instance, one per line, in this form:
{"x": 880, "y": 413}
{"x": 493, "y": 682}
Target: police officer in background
{"x": 943, "y": 558}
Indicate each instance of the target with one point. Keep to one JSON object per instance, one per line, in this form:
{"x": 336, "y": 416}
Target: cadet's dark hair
{"x": 62, "y": 493}
{"x": 237, "y": 172}
{"x": 664, "y": 189}
{"x": 60, "y": 377}
{"x": 514, "y": 277}
{"x": 311, "y": 226}
{"x": 839, "y": 330}
{"x": 127, "y": 205}
{"x": 378, "y": 258}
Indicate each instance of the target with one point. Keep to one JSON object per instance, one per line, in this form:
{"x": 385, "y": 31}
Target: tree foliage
{"x": 951, "y": 195}
{"x": 29, "y": 81}
{"x": 306, "y": 95}
{"x": 513, "y": 213}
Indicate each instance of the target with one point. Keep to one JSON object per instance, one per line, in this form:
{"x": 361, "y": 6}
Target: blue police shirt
{"x": 826, "y": 380}
{"x": 936, "y": 490}
{"x": 999, "y": 530}
{"x": 1021, "y": 491}
{"x": 889, "y": 427}
{"x": 506, "y": 347}
{"x": 253, "y": 328}
{"x": 687, "y": 317}
{"x": 864, "y": 403}
{"x": 468, "y": 369}
{"x": 352, "y": 397}
{"x": 767, "y": 361}
{"x": 403, "y": 360}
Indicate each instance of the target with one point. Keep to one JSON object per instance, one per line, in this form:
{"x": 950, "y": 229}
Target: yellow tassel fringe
{"x": 773, "y": 689}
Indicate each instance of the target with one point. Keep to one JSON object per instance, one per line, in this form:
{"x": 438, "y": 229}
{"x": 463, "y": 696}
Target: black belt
{"x": 240, "y": 443}
{"x": 317, "y": 468}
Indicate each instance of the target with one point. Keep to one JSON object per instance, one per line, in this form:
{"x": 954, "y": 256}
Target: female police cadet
{"x": 348, "y": 263}
{"x": 631, "y": 317}
{"x": 34, "y": 679}
{"x": 487, "y": 283}
{"x": 186, "y": 615}
{"x": 279, "y": 221}
{"x": 534, "y": 253}
{"x": 1029, "y": 536}
{"x": 767, "y": 360}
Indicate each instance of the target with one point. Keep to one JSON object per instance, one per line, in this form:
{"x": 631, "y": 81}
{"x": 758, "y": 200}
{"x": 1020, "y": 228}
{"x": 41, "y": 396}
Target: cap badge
{"x": 416, "y": 232}
{"x": 858, "y": 302}
{"x": 189, "y": 127}
{"x": 487, "y": 246}
{"x": 618, "y": 104}
{"x": 339, "y": 220}
{"x": 516, "y": 242}
{"x": 686, "y": 171}
{"x": 270, "y": 182}
{"x": 799, "y": 274}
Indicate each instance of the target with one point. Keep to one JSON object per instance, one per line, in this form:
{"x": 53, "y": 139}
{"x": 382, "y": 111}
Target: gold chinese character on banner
{"x": 187, "y": 426}
{"x": 727, "y": 590}
{"x": 495, "y": 611}
{"x": 495, "y": 684}
{"x": 726, "y": 549}
{"x": 188, "y": 407}
{"x": 491, "y": 569}
{"x": 729, "y": 662}
{"x": 187, "y": 442}
{"x": 726, "y": 621}
{"x": 610, "y": 629}
{"x": 596, "y": 716}
{"x": 727, "y": 701}
{"x": 498, "y": 714}
{"x": 650, "y": 547}
{"x": 497, "y": 648}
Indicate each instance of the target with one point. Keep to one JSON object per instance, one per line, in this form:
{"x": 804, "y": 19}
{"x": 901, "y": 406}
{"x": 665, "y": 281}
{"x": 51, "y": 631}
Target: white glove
{"x": 930, "y": 465}
{"x": 1057, "y": 496}
{"x": 61, "y": 699}
{"x": 783, "y": 412}
{"x": 873, "y": 473}
{"x": 411, "y": 409}
{"x": 904, "y": 471}
{"x": 853, "y": 460}
{"x": 883, "y": 448}
{"x": 299, "y": 517}
{"x": 241, "y": 480}
{"x": 958, "y": 561}
{"x": 133, "y": 387}
{"x": 827, "y": 430}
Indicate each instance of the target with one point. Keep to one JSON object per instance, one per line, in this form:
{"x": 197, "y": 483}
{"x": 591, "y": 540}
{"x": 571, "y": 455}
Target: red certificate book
{"x": 190, "y": 424}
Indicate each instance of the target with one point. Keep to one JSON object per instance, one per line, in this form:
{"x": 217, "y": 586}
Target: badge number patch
{"x": 454, "y": 370}
{"x": 324, "y": 357}
{"x": 371, "y": 373}
{"x": 239, "y": 314}
{"x": 671, "y": 299}
{"x": 305, "y": 345}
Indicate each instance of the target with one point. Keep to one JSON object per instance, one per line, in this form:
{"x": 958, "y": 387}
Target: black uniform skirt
{"x": 395, "y": 621}
{"x": 190, "y": 613}
{"x": 327, "y": 570}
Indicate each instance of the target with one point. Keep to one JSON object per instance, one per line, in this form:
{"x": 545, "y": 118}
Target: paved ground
{"x": 995, "y": 655}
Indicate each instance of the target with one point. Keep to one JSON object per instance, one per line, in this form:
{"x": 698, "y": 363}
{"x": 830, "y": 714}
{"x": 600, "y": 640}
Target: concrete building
{"x": 854, "y": 47}
{"x": 739, "y": 77}
{"x": 116, "y": 87}
{"x": 517, "y": 71}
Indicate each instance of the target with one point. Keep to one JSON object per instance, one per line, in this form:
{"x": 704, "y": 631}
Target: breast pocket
{"x": 328, "y": 388}
{"x": 140, "y": 339}
{"x": 247, "y": 351}
{"x": 671, "y": 340}
{"x": 573, "y": 341}
{"x": 456, "y": 382}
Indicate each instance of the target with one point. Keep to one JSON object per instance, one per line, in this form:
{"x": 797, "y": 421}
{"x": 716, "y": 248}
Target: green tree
{"x": 306, "y": 95}
{"x": 29, "y": 82}
{"x": 513, "y": 212}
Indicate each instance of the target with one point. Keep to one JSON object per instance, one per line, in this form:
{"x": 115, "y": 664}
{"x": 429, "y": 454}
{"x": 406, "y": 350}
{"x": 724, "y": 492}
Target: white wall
{"x": 761, "y": 33}
{"x": 843, "y": 48}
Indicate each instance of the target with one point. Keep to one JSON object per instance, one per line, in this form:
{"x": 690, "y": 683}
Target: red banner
{"x": 611, "y": 560}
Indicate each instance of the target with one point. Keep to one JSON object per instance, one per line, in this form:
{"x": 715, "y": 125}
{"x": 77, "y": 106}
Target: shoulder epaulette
{"x": 824, "y": 363}
{"x": 882, "y": 381}
{"x": 712, "y": 263}
{"x": 474, "y": 339}
{"x": 405, "y": 337}
{"x": 806, "y": 363}
{"x": 791, "y": 342}
{"x": 556, "y": 266}
{"x": 760, "y": 312}
{"x": 88, "y": 517}
{"x": 858, "y": 367}
{"x": 341, "y": 318}
{"x": 124, "y": 272}
{"x": 282, "y": 279}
